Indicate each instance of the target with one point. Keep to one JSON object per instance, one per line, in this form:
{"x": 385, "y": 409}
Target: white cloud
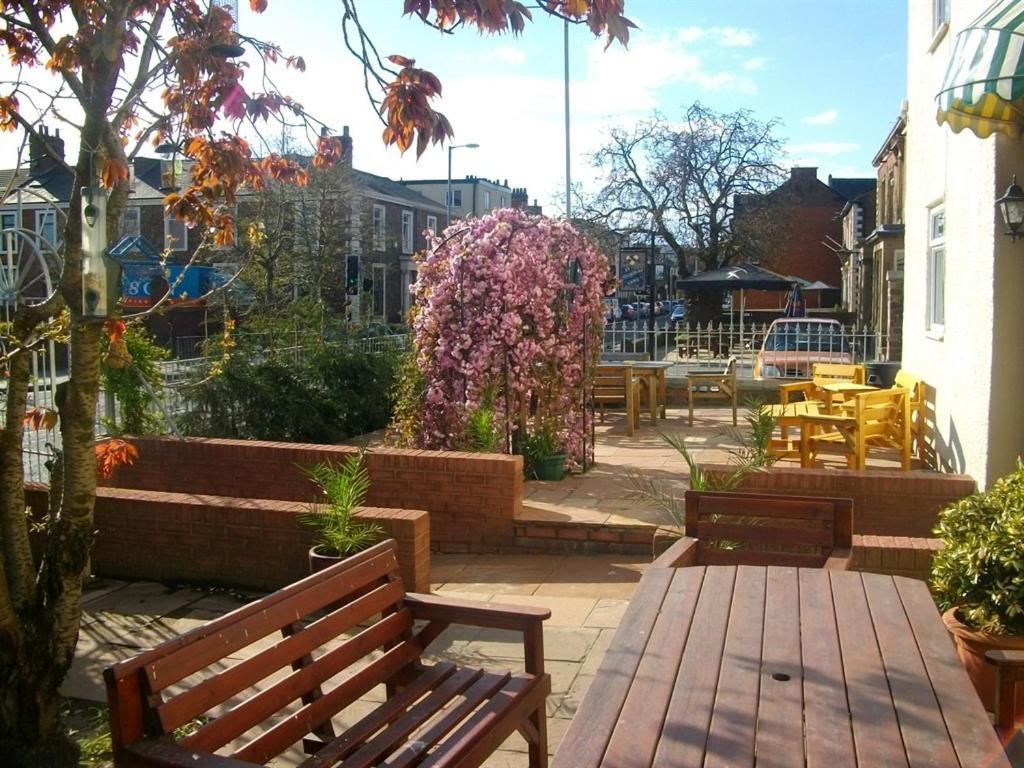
{"x": 828, "y": 117}
{"x": 823, "y": 148}
{"x": 731, "y": 37}
{"x": 755, "y": 64}
{"x": 505, "y": 54}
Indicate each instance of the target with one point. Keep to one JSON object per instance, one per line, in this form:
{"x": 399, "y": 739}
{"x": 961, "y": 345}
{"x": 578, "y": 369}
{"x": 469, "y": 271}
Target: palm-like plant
{"x": 344, "y": 488}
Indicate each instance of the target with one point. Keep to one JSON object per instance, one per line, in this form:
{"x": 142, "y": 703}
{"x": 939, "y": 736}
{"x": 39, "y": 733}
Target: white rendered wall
{"x": 959, "y": 170}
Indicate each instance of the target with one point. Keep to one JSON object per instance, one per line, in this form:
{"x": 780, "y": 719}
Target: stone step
{"x": 546, "y": 527}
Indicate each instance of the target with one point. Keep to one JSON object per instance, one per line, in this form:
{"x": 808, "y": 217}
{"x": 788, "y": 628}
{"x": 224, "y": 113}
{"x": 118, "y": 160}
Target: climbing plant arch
{"x": 508, "y": 314}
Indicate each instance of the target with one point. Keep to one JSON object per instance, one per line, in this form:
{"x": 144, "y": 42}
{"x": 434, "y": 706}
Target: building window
{"x": 940, "y": 14}
{"x": 487, "y": 199}
{"x": 432, "y": 224}
{"x": 46, "y": 227}
{"x": 503, "y": 204}
{"x": 379, "y": 292}
{"x": 456, "y": 198}
{"x": 175, "y": 234}
{"x": 378, "y": 228}
{"x": 936, "y": 270}
{"x": 407, "y": 231}
{"x": 129, "y": 225}
{"x": 8, "y": 220}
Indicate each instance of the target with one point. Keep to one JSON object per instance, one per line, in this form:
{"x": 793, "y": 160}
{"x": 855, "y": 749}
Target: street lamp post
{"x": 448, "y": 194}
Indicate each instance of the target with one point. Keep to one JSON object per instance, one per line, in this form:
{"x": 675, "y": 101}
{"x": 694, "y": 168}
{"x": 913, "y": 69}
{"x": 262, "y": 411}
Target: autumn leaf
{"x": 258, "y": 6}
{"x": 112, "y": 454}
{"x": 112, "y": 171}
{"x": 40, "y": 418}
{"x": 115, "y": 330}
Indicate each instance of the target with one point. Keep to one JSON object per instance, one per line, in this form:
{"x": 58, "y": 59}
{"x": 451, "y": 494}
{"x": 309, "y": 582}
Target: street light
{"x": 448, "y": 196}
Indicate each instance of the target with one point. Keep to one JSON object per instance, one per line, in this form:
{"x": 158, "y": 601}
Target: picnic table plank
{"x": 961, "y": 712}
{"x": 829, "y": 740}
{"x": 876, "y": 731}
{"x": 924, "y": 731}
{"x": 636, "y": 734}
{"x": 780, "y": 711}
{"x": 684, "y": 735}
{"x": 585, "y": 742}
{"x": 734, "y": 721}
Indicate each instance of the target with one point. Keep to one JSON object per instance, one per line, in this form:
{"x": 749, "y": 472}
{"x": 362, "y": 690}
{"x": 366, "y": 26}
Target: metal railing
{"x": 692, "y": 347}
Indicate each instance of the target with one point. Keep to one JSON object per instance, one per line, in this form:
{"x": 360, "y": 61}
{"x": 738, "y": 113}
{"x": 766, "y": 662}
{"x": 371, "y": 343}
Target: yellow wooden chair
{"x": 616, "y": 387}
{"x": 821, "y": 373}
{"x": 713, "y": 386}
{"x": 788, "y": 417}
{"x": 877, "y": 419}
{"x": 918, "y": 418}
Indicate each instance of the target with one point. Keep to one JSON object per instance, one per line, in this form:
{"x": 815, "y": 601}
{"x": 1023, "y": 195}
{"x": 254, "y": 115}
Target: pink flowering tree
{"x": 508, "y": 317}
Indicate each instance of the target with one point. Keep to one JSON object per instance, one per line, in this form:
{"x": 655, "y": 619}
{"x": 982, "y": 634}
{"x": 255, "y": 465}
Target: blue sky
{"x": 834, "y": 72}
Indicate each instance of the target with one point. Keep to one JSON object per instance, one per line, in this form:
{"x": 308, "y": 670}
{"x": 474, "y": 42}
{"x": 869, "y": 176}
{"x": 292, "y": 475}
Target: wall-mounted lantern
{"x": 101, "y": 275}
{"x": 1011, "y": 205}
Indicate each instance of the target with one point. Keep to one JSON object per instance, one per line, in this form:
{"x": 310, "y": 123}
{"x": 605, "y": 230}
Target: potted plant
{"x": 978, "y": 578}
{"x": 542, "y": 454}
{"x": 339, "y": 533}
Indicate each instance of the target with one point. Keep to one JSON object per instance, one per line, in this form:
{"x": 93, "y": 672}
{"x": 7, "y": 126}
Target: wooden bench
{"x": 616, "y": 386}
{"x": 719, "y": 385}
{"x": 735, "y": 528}
{"x": 821, "y": 373}
{"x": 274, "y": 673}
{"x": 1009, "y": 675}
{"x": 875, "y": 419}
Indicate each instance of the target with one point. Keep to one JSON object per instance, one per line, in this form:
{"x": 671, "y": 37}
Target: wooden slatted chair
{"x": 274, "y": 673}
{"x": 616, "y": 387}
{"x": 1009, "y": 675}
{"x": 736, "y": 528}
{"x": 918, "y": 403}
{"x": 715, "y": 386}
{"x": 821, "y": 373}
{"x": 876, "y": 419}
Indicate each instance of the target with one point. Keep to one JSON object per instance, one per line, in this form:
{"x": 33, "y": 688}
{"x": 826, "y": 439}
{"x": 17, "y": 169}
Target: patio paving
{"x": 587, "y": 596}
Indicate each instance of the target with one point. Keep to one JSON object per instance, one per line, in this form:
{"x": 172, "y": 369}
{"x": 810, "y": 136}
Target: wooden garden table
{"x": 736, "y": 666}
{"x": 839, "y": 391}
{"x": 653, "y": 374}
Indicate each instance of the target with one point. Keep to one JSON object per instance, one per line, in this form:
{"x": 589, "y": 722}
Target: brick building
{"x": 810, "y": 211}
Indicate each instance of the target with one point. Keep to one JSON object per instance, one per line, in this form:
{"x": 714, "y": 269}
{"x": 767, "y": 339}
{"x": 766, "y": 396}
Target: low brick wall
{"x": 254, "y": 543}
{"x": 895, "y": 555}
{"x": 472, "y": 498}
{"x": 885, "y": 502}
{"x": 543, "y": 536}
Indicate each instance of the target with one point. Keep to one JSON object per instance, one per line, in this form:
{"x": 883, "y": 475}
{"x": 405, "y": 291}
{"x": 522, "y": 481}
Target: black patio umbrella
{"x": 795, "y": 304}
{"x": 736, "y": 277}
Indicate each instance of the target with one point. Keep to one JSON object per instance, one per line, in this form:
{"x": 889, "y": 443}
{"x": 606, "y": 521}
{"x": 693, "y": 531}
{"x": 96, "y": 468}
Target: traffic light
{"x": 352, "y": 276}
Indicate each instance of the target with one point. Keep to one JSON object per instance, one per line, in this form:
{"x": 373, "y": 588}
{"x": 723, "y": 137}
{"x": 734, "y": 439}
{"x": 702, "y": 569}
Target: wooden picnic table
{"x": 840, "y": 391}
{"x": 653, "y": 375}
{"x": 771, "y": 666}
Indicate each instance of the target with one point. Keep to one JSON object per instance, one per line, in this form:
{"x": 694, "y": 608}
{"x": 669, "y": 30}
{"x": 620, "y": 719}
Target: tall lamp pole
{"x": 448, "y": 194}
{"x": 651, "y": 272}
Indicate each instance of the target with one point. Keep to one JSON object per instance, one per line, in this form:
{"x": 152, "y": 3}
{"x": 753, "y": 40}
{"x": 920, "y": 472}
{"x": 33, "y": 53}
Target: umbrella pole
{"x": 743, "y": 306}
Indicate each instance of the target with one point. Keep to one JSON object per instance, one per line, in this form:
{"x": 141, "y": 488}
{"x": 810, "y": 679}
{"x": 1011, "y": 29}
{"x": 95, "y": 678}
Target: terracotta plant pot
{"x": 971, "y": 645}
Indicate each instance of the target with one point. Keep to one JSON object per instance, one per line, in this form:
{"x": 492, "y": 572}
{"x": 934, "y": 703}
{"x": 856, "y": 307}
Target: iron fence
{"x": 789, "y": 354}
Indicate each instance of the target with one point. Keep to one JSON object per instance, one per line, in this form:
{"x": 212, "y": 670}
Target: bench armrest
{"x": 840, "y": 560}
{"x": 785, "y": 390}
{"x": 681, "y": 554}
{"x": 166, "y": 754}
{"x": 439, "y": 612}
{"x": 825, "y": 419}
{"x": 1005, "y": 658}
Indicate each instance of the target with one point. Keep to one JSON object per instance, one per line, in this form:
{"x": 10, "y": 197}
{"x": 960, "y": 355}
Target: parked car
{"x": 612, "y": 310}
{"x": 659, "y": 308}
{"x": 643, "y": 309}
{"x": 628, "y": 312}
{"x": 794, "y": 344}
{"x": 678, "y": 316}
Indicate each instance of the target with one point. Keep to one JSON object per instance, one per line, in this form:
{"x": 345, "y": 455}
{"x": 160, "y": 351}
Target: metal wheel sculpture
{"x": 29, "y": 262}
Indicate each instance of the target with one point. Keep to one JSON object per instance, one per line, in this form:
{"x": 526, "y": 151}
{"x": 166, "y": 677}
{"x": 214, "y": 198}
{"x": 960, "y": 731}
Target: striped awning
{"x": 983, "y": 89}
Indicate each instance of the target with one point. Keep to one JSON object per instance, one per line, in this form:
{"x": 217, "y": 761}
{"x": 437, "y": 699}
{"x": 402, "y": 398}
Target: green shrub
{"x": 328, "y": 395}
{"x": 981, "y": 568}
{"x": 137, "y": 385}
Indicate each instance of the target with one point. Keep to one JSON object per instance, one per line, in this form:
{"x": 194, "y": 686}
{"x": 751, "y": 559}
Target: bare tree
{"x": 686, "y": 179}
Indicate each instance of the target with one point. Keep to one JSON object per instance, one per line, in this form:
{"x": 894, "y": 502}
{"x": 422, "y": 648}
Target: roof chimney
{"x": 346, "y": 147}
{"x": 39, "y": 160}
{"x": 803, "y": 173}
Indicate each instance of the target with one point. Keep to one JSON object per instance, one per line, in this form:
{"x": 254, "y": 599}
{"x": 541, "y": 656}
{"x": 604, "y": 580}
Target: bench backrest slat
{"x": 262, "y": 705}
{"x": 200, "y": 651}
{"x": 275, "y": 739}
{"x": 216, "y": 689}
{"x": 749, "y": 528}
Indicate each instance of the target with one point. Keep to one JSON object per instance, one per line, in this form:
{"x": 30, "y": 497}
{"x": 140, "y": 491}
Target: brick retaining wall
{"x": 254, "y": 543}
{"x": 895, "y": 555}
{"x": 472, "y": 498}
{"x": 885, "y": 502}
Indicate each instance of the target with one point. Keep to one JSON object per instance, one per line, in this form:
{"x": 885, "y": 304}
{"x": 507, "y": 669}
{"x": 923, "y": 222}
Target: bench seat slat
{"x": 388, "y": 712}
{"x": 216, "y": 643}
{"x": 218, "y": 688}
{"x": 270, "y": 700}
{"x": 482, "y": 690}
{"x": 274, "y": 740}
{"x": 392, "y": 737}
